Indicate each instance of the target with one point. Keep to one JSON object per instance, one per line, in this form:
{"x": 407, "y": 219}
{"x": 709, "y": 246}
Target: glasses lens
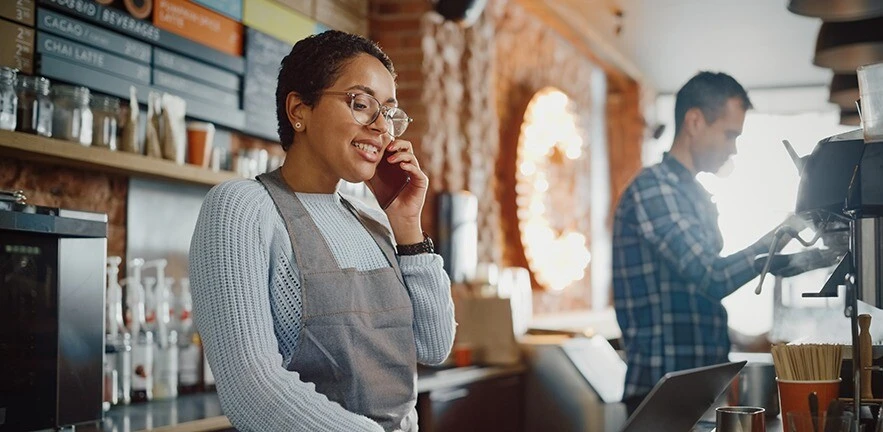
{"x": 365, "y": 109}
{"x": 398, "y": 121}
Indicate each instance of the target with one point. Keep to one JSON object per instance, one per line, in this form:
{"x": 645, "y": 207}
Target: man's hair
{"x": 708, "y": 91}
{"x": 313, "y": 65}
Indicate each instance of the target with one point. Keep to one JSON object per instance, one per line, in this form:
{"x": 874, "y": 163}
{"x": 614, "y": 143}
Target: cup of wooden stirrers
{"x": 805, "y": 369}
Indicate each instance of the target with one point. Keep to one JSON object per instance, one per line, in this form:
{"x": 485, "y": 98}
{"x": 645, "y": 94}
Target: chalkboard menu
{"x": 263, "y": 57}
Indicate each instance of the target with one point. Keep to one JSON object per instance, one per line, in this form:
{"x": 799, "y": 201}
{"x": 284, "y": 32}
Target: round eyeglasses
{"x": 366, "y": 108}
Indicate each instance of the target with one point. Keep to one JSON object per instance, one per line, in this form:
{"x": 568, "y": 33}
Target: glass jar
{"x": 8, "y": 98}
{"x": 72, "y": 117}
{"x": 34, "y": 105}
{"x": 105, "y": 112}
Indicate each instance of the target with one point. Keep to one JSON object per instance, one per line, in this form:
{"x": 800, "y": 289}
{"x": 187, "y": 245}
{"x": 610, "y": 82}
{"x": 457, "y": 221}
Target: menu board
{"x": 263, "y": 57}
{"x": 145, "y": 31}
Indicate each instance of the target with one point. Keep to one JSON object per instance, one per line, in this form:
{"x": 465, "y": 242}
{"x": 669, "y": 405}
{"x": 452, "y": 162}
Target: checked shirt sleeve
{"x": 667, "y": 221}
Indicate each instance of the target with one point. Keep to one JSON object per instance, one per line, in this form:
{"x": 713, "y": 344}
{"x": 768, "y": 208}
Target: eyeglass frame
{"x": 382, "y": 111}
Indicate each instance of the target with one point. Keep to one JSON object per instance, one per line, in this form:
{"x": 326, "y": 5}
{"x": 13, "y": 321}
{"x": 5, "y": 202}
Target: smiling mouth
{"x": 365, "y": 147}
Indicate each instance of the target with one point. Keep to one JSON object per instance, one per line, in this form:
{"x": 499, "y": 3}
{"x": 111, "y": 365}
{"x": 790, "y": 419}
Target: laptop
{"x": 679, "y": 399}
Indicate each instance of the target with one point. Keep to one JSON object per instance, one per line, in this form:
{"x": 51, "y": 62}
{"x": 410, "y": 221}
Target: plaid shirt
{"x": 669, "y": 277}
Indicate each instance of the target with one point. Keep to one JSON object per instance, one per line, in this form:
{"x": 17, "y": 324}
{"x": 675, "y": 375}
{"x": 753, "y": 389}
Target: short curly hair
{"x": 313, "y": 65}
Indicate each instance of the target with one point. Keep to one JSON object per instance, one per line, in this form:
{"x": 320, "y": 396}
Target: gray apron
{"x": 357, "y": 343}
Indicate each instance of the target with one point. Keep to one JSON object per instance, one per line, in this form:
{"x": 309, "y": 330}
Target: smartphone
{"x": 389, "y": 180}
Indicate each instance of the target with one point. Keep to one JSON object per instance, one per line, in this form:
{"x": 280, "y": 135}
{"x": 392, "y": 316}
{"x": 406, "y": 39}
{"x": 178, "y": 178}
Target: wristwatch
{"x": 425, "y": 246}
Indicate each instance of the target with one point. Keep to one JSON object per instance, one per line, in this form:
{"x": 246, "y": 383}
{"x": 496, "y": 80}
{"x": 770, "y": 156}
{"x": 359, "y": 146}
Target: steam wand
{"x": 783, "y": 230}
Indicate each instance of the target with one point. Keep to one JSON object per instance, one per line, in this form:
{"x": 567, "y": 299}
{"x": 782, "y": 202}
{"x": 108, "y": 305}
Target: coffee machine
{"x": 51, "y": 315}
{"x": 841, "y": 194}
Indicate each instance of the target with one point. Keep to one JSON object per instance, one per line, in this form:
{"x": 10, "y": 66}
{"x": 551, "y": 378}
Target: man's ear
{"x": 694, "y": 121}
{"x": 297, "y": 111}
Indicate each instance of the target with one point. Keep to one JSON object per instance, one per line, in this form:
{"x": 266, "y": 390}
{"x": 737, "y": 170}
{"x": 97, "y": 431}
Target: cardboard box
{"x": 79, "y": 31}
{"x": 92, "y": 57}
{"x": 120, "y": 21}
{"x": 199, "y": 24}
{"x": 20, "y": 11}
{"x": 230, "y": 8}
{"x": 277, "y": 20}
{"x": 202, "y": 72}
{"x": 17, "y": 46}
{"x": 181, "y": 85}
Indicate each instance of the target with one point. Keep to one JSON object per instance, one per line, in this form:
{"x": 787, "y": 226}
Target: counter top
{"x": 202, "y": 412}
{"x": 187, "y": 413}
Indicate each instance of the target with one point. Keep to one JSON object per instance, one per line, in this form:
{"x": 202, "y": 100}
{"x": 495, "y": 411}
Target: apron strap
{"x": 309, "y": 246}
{"x": 381, "y": 234}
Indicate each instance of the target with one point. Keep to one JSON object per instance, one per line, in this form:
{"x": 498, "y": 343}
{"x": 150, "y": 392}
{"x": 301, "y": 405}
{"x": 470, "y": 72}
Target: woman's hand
{"x": 404, "y": 212}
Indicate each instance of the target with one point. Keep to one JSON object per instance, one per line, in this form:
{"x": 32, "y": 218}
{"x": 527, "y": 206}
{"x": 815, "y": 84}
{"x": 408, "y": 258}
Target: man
{"x": 668, "y": 275}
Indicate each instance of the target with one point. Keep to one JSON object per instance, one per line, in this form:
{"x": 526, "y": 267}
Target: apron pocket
{"x": 311, "y": 348}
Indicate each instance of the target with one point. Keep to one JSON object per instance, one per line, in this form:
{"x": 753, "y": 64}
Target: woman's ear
{"x": 297, "y": 111}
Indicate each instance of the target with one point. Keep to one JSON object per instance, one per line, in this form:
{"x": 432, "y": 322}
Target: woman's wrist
{"x": 407, "y": 232}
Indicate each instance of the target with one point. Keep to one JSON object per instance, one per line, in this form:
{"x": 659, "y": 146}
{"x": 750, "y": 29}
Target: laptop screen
{"x": 679, "y": 399}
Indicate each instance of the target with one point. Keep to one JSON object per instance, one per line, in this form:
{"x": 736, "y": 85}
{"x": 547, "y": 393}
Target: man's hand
{"x": 789, "y": 229}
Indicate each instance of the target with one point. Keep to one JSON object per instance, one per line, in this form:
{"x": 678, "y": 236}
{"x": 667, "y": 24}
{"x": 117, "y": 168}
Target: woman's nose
{"x": 381, "y": 124}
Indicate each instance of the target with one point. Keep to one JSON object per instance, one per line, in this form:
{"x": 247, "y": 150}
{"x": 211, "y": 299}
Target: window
{"x": 759, "y": 192}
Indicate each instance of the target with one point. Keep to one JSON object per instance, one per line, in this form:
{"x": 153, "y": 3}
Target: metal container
{"x": 756, "y": 386}
{"x": 458, "y": 234}
{"x": 740, "y": 419}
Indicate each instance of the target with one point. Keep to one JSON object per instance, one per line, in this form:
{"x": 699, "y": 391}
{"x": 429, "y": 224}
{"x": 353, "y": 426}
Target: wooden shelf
{"x": 39, "y": 149}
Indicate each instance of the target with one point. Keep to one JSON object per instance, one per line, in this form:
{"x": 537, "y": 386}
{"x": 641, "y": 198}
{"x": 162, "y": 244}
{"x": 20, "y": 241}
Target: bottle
{"x": 165, "y": 373}
{"x": 111, "y": 377}
{"x": 114, "y": 322}
{"x": 150, "y": 303}
{"x": 142, "y": 366}
{"x": 8, "y": 98}
{"x": 35, "y": 105}
{"x": 124, "y": 368}
{"x": 135, "y": 315}
{"x": 72, "y": 116}
{"x": 142, "y": 338}
{"x": 189, "y": 364}
{"x": 115, "y": 329}
{"x": 189, "y": 346}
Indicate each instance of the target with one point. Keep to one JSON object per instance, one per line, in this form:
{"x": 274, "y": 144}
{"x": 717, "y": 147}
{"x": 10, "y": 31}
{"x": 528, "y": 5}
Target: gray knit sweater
{"x": 247, "y": 304}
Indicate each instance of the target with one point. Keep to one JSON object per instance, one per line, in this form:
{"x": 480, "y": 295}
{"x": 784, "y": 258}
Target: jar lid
{"x": 8, "y": 72}
{"x": 105, "y": 102}
{"x": 68, "y": 90}
{"x": 33, "y": 82}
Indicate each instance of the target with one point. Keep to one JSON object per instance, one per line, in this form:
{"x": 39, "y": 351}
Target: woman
{"x": 311, "y": 319}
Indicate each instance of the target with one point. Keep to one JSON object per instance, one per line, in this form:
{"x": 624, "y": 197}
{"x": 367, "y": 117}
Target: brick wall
{"x": 72, "y": 189}
{"x": 395, "y": 25}
{"x": 460, "y": 83}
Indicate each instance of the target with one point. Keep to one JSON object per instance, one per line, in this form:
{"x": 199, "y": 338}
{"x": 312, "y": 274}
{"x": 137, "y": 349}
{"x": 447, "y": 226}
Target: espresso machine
{"x": 841, "y": 196}
{"x": 51, "y": 315}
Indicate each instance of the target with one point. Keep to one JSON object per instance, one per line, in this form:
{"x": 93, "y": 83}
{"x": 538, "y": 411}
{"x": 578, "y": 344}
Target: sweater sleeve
{"x": 229, "y": 267}
{"x": 430, "y": 291}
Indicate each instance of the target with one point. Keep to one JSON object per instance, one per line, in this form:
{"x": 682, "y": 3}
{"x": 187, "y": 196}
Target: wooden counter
{"x": 202, "y": 412}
